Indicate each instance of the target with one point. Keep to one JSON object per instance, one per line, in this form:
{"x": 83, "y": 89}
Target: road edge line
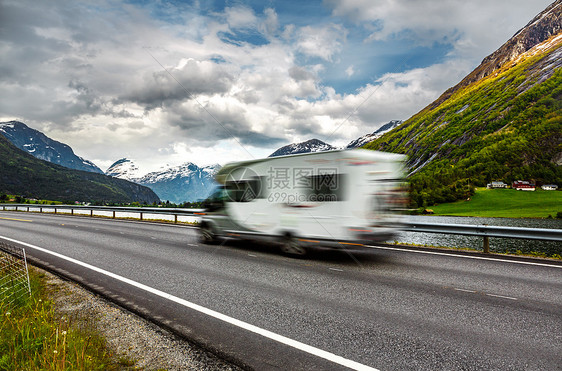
{"x": 222, "y": 317}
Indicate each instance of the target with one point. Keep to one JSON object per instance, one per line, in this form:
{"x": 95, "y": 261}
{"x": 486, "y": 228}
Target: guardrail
{"x": 111, "y": 209}
{"x": 487, "y": 231}
{"x": 484, "y": 231}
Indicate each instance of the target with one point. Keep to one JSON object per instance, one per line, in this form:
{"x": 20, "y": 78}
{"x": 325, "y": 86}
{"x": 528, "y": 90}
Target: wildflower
{"x": 55, "y": 351}
{"x": 8, "y": 313}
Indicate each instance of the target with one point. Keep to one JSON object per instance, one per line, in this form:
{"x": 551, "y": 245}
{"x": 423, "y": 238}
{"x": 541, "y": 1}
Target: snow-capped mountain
{"x": 374, "y": 135}
{"x": 178, "y": 184}
{"x": 44, "y": 148}
{"x": 124, "y": 169}
{"x": 316, "y": 145}
{"x": 186, "y": 182}
{"x": 312, "y": 145}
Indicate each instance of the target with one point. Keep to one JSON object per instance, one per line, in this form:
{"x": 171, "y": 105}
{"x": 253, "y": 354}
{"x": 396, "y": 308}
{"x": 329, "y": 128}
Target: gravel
{"x": 129, "y": 336}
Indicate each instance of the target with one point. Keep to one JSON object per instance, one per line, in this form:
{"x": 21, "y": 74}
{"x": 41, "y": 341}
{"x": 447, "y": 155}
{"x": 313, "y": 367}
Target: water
{"x": 499, "y": 245}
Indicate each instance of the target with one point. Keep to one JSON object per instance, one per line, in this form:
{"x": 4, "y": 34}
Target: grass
{"x": 505, "y": 203}
{"x": 34, "y": 337}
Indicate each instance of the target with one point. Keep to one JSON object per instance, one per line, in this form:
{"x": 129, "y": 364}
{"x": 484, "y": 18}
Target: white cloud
{"x": 475, "y": 28}
{"x": 322, "y": 42}
{"x": 240, "y": 17}
{"x": 270, "y": 25}
{"x": 85, "y": 75}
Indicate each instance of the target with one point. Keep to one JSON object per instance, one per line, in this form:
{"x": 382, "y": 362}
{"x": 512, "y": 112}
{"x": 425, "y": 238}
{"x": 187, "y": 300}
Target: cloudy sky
{"x": 166, "y": 82}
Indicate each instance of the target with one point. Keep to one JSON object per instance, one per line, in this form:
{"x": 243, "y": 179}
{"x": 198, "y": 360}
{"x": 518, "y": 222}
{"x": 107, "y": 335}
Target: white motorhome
{"x": 337, "y": 199}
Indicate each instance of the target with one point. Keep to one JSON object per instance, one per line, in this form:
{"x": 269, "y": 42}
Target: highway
{"x": 381, "y": 308}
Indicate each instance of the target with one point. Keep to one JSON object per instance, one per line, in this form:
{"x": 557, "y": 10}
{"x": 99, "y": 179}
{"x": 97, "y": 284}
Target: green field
{"x": 505, "y": 203}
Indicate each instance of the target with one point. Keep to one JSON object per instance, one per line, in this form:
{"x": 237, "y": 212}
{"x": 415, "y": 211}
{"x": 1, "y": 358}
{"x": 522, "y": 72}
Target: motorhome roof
{"x": 358, "y": 152}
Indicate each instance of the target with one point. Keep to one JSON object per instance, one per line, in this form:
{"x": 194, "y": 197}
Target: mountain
{"x": 361, "y": 141}
{"x": 312, "y": 145}
{"x": 124, "y": 169}
{"x": 44, "y": 148}
{"x": 185, "y": 183}
{"x": 23, "y": 174}
{"x": 316, "y": 145}
{"x": 503, "y": 122}
{"x": 545, "y": 25}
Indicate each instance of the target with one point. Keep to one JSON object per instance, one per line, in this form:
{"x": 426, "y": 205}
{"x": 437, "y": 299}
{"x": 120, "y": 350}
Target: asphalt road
{"x": 384, "y": 308}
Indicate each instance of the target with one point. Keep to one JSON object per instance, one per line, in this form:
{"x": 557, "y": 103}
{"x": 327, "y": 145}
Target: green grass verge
{"x": 505, "y": 203}
{"x": 34, "y": 337}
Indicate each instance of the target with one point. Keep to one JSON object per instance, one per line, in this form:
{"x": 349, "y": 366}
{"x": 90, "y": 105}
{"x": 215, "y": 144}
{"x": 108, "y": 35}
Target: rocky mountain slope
{"x": 545, "y": 25}
{"x": 124, "y": 169}
{"x": 361, "y": 141}
{"x": 184, "y": 183}
{"x": 44, "y": 148}
{"x": 311, "y": 145}
{"x": 502, "y": 122}
{"x": 24, "y": 175}
{"x": 316, "y": 145}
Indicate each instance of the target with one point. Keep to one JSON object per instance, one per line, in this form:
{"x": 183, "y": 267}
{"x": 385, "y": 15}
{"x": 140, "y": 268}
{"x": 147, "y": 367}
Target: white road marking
{"x": 501, "y": 296}
{"x": 466, "y": 256}
{"x": 233, "y": 321}
{"x": 335, "y": 269}
{"x": 493, "y": 295}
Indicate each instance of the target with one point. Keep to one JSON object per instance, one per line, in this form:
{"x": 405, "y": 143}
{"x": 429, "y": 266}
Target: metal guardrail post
{"x": 486, "y": 246}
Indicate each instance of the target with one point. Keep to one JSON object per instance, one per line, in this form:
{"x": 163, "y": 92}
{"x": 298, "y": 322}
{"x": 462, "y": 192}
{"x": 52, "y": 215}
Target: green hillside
{"x": 23, "y": 174}
{"x": 503, "y": 127}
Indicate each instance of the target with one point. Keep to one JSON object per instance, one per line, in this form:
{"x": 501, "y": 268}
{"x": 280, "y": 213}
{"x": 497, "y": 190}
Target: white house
{"x": 496, "y": 185}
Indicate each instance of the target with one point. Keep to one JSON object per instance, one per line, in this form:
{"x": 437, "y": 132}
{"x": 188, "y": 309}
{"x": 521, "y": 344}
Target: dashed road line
{"x": 502, "y": 296}
{"x": 464, "y": 290}
{"x": 485, "y": 293}
{"x": 465, "y": 256}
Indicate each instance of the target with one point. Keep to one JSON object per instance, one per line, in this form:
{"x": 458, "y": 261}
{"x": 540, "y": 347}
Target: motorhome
{"x": 337, "y": 199}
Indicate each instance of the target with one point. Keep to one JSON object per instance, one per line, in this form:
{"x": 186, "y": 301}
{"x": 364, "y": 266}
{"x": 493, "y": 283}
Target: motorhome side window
{"x": 244, "y": 190}
{"x": 325, "y": 187}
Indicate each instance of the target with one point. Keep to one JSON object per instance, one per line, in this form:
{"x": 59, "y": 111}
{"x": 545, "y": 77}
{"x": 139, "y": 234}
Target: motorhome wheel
{"x": 207, "y": 235}
{"x": 291, "y": 246}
